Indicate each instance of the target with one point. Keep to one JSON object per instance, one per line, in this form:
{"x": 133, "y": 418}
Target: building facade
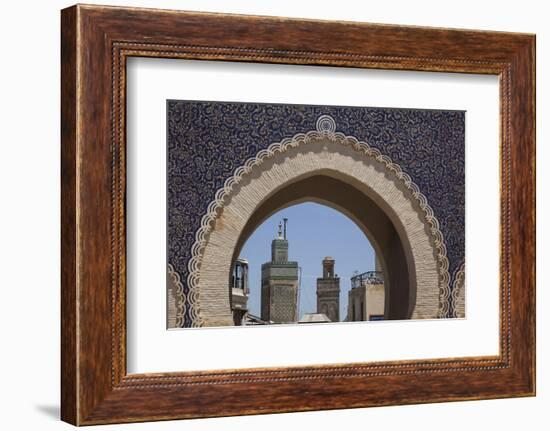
{"x": 239, "y": 291}
{"x": 366, "y": 297}
{"x": 279, "y": 297}
{"x": 328, "y": 291}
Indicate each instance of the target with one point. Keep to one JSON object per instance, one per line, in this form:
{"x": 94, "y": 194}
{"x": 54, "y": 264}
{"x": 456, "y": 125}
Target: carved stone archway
{"x": 342, "y": 158}
{"x": 335, "y": 190}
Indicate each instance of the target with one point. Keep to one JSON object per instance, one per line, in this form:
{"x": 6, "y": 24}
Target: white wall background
{"x": 29, "y": 215}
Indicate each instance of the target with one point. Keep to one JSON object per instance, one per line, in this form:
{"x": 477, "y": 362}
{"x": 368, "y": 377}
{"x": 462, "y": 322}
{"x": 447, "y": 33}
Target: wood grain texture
{"x": 69, "y": 331}
{"x": 96, "y": 41}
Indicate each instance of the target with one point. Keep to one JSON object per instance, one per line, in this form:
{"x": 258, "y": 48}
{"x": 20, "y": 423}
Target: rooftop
{"x": 314, "y": 318}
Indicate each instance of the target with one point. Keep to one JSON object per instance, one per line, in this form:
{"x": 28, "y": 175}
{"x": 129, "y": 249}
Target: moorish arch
{"x": 324, "y": 166}
{"x": 335, "y": 190}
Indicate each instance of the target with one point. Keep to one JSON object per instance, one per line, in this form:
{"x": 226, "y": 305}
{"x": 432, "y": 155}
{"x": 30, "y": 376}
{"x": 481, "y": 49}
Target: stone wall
{"x": 375, "y": 300}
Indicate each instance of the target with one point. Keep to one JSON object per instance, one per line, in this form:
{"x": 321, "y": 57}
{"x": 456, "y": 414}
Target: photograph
{"x": 303, "y": 214}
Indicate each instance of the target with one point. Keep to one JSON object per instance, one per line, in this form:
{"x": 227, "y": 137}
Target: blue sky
{"x": 313, "y": 231}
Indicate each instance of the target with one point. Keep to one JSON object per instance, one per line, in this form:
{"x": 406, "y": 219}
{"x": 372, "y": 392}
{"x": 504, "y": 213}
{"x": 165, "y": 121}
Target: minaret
{"x": 280, "y": 282}
{"x": 328, "y": 291}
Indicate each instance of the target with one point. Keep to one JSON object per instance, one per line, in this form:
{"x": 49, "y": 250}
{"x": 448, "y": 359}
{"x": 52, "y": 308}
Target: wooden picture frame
{"x": 95, "y": 43}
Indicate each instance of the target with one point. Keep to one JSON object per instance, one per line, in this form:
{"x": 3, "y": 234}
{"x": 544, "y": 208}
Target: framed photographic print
{"x": 289, "y": 207}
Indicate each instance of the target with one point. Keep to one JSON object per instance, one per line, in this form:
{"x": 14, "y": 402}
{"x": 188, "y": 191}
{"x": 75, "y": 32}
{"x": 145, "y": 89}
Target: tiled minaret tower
{"x": 280, "y": 282}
